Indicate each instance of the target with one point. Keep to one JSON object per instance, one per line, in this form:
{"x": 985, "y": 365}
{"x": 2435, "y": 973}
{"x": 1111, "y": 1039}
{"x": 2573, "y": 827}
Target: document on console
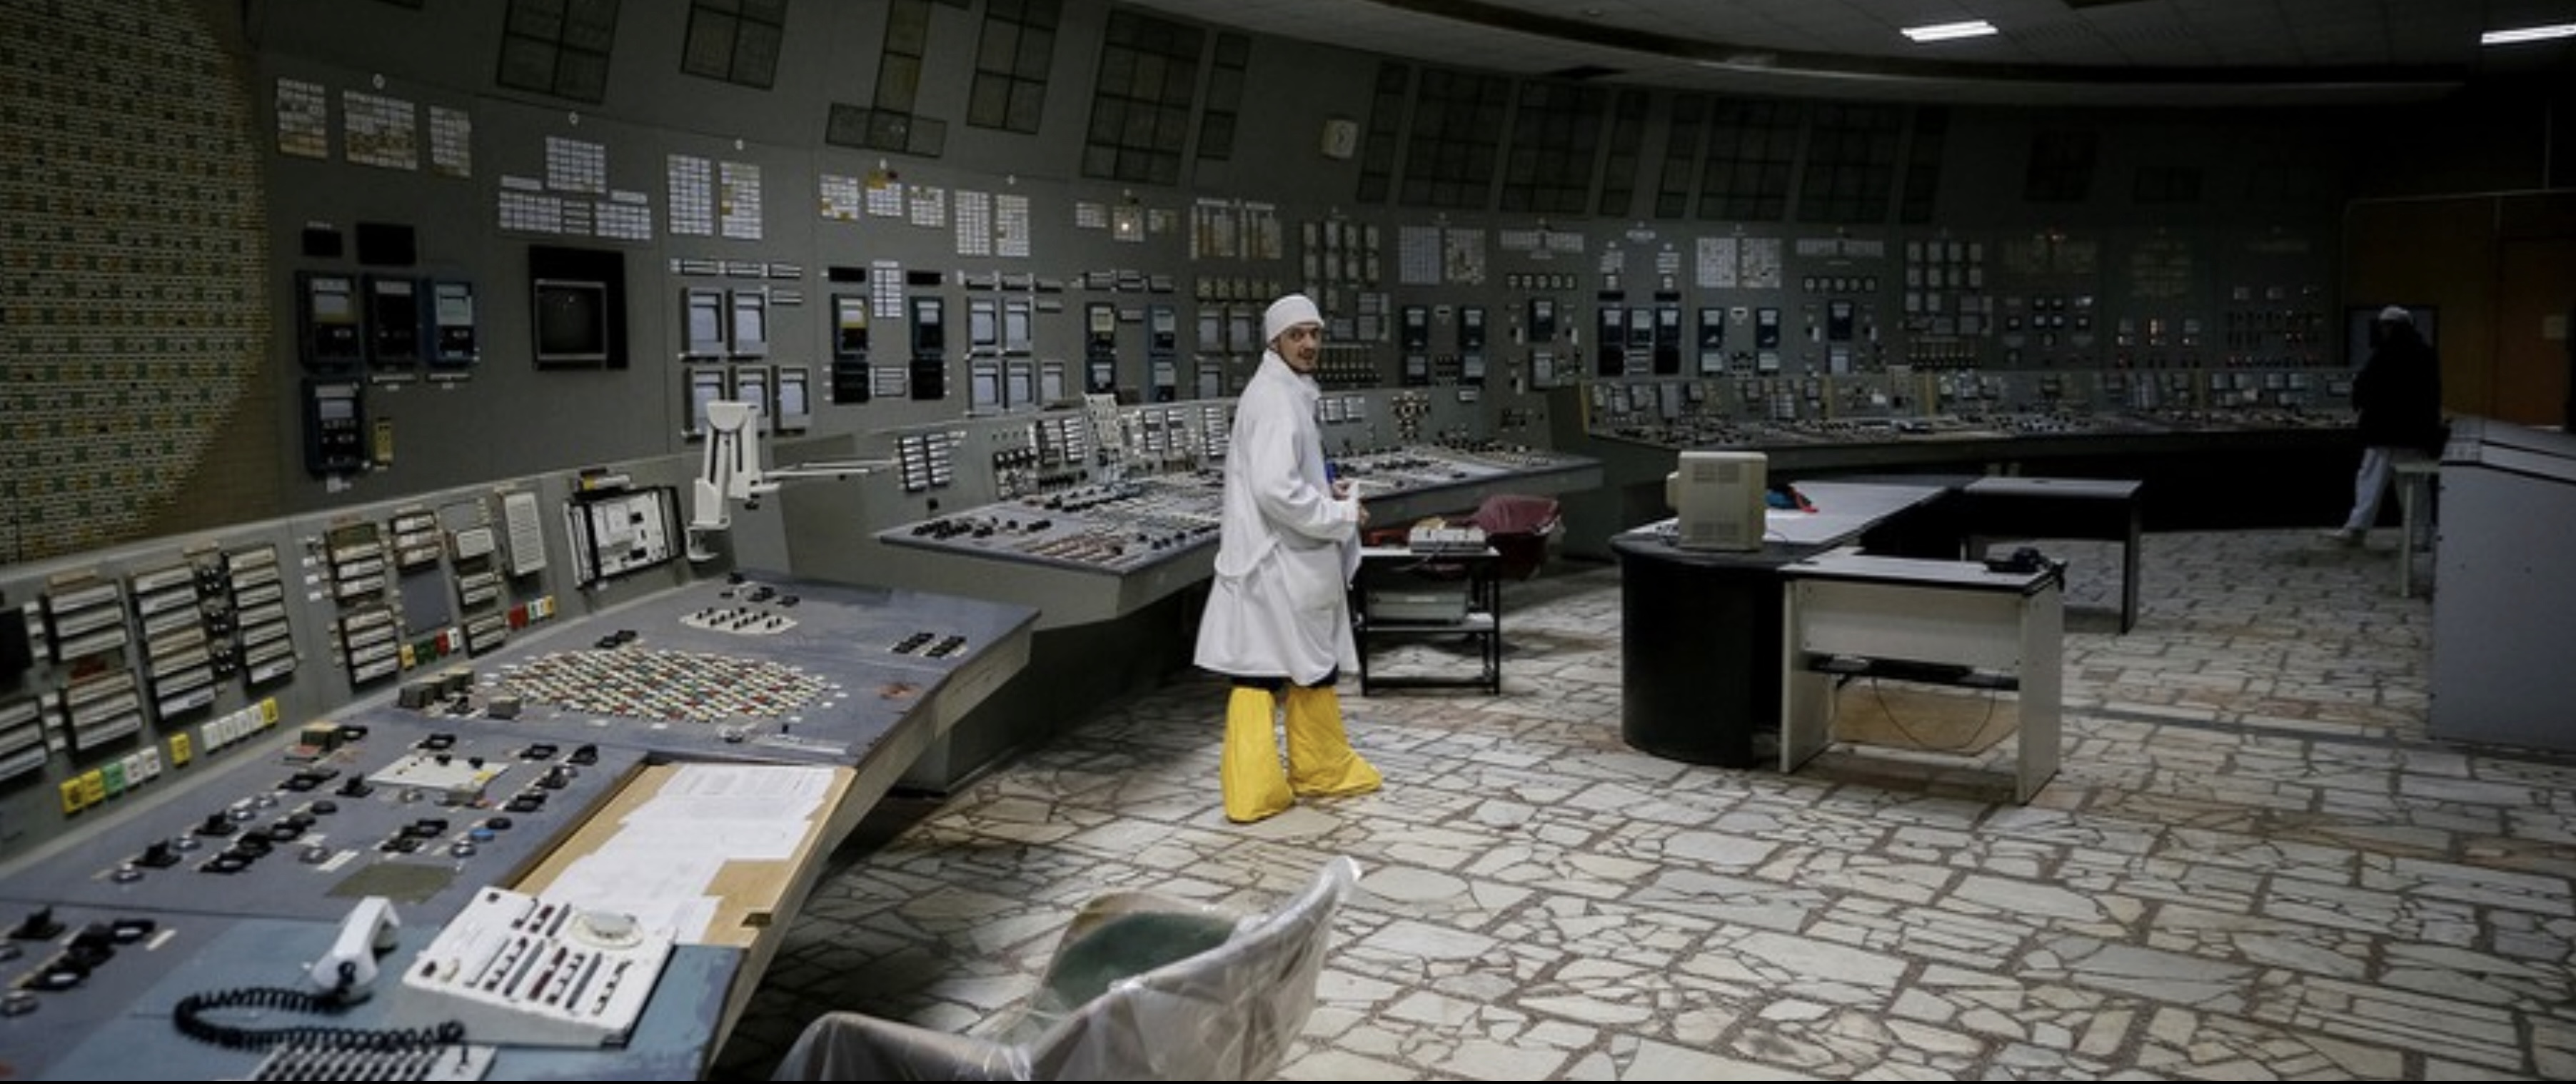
{"x": 668, "y": 850}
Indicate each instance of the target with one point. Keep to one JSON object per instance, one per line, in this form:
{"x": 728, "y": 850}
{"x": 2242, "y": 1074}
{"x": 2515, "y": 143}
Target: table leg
{"x": 2129, "y": 573}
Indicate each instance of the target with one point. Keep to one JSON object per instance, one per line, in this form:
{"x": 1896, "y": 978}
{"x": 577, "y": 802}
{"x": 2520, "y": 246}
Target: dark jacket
{"x": 2397, "y": 398}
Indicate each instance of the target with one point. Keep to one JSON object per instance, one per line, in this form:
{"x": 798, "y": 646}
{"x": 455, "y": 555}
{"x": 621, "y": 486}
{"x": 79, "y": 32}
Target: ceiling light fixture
{"x": 2528, "y": 33}
{"x": 1974, "y": 28}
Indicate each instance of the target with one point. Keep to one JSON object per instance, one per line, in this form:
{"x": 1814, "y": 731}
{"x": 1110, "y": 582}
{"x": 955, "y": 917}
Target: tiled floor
{"x": 2255, "y": 864}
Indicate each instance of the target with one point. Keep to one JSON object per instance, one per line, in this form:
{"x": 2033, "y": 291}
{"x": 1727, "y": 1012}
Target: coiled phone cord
{"x": 190, "y": 1016}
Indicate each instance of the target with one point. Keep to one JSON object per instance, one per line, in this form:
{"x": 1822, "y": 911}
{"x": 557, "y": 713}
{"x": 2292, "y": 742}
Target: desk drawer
{"x": 1980, "y": 629}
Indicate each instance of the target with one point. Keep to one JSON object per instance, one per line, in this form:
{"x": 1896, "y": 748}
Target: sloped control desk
{"x": 1950, "y": 622}
{"x": 758, "y": 717}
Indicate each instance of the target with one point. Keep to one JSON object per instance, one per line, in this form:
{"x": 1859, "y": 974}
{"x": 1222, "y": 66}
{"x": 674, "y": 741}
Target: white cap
{"x": 1288, "y": 312}
{"x": 2396, "y": 314}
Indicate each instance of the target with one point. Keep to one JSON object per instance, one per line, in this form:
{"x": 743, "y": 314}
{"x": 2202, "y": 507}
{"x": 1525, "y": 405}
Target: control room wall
{"x": 2499, "y": 269}
{"x": 650, "y": 113}
{"x": 510, "y": 419}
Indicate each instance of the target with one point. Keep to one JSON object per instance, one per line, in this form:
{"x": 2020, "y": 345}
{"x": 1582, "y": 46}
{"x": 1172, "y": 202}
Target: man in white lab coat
{"x": 1278, "y": 613}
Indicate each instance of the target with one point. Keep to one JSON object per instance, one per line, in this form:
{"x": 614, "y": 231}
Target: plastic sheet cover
{"x": 1140, "y": 987}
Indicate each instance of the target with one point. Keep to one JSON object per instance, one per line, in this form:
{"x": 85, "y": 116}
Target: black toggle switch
{"x": 40, "y": 925}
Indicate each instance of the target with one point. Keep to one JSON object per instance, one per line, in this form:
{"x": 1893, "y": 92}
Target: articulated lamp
{"x": 730, "y": 471}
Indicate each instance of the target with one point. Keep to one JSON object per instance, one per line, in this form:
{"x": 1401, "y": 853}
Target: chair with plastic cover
{"x": 1139, "y": 988}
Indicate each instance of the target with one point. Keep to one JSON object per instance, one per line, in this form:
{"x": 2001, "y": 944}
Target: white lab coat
{"x": 1287, "y": 549}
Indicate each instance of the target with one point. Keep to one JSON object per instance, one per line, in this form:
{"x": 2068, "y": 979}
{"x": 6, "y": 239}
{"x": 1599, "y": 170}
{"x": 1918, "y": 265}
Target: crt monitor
{"x": 1718, "y": 500}
{"x": 571, "y": 320}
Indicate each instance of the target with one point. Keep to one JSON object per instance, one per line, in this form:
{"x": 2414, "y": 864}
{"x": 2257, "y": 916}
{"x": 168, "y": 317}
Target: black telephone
{"x": 2023, "y": 561}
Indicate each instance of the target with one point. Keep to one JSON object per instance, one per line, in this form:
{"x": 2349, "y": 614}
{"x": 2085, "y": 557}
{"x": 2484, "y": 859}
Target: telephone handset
{"x": 370, "y": 931}
{"x": 2023, "y": 561}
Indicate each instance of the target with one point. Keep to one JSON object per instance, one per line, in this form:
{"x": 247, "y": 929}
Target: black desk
{"x": 2104, "y": 509}
{"x": 1700, "y": 643}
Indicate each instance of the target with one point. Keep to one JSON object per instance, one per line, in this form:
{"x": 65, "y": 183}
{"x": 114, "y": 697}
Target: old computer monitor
{"x": 1717, "y": 500}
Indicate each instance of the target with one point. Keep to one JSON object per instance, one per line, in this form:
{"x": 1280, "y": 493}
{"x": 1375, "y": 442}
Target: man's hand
{"x": 1342, "y": 490}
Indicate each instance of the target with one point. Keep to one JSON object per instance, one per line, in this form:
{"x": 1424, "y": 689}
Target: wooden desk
{"x": 1953, "y": 622}
{"x": 2104, "y": 509}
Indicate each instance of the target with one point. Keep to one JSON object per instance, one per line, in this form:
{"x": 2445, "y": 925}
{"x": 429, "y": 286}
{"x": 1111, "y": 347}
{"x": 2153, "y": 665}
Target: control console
{"x": 516, "y": 969}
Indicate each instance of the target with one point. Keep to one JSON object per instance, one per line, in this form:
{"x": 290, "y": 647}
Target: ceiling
{"x": 2054, "y": 52}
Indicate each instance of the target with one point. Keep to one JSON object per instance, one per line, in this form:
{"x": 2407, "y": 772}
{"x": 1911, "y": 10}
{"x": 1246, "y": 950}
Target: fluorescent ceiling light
{"x": 2528, "y": 33}
{"x": 1974, "y": 28}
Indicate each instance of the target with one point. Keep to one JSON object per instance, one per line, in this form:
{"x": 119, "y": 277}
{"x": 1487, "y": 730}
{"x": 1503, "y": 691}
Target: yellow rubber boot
{"x": 1320, "y": 758}
{"x": 1255, "y": 787}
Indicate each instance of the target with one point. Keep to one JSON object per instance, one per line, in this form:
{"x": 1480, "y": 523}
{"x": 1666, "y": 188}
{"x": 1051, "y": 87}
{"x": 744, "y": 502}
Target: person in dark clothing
{"x": 2397, "y": 407}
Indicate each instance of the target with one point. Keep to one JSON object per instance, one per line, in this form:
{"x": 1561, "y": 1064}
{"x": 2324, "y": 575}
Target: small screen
{"x": 396, "y": 312}
{"x": 704, "y": 388}
{"x": 571, "y": 321}
{"x": 851, "y": 313}
{"x": 753, "y": 388}
{"x": 704, "y": 326}
{"x": 332, "y": 305}
{"x": 1015, "y": 329}
{"x": 928, "y": 336}
{"x": 455, "y": 305}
